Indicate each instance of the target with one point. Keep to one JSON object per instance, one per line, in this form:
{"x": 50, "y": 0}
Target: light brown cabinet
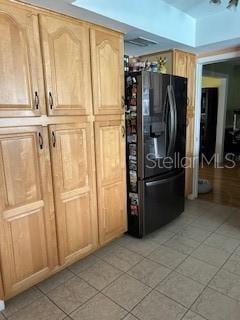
{"x": 62, "y": 182}
{"x": 67, "y": 66}
{"x": 21, "y": 80}
{"x": 28, "y": 247}
{"x": 180, "y": 63}
{"x": 110, "y": 150}
{"x": 74, "y": 187}
{"x": 107, "y": 71}
{"x": 185, "y": 66}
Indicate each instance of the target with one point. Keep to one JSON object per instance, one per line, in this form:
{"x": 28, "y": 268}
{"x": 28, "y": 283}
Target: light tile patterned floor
{"x": 188, "y": 270}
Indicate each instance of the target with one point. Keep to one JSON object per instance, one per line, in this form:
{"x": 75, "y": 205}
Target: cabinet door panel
{"x": 113, "y": 211}
{"x": 28, "y": 236}
{"x": 21, "y": 81}
{"x": 184, "y": 66}
{"x": 107, "y": 71}
{"x": 74, "y": 185}
{"x": 180, "y": 64}
{"x": 110, "y": 150}
{"x": 67, "y": 66}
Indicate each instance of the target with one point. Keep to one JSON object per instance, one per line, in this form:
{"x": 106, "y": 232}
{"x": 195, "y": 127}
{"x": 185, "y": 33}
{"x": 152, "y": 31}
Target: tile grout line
{"x": 75, "y": 309}
{"x": 152, "y": 289}
{"x": 205, "y": 286}
{"x": 110, "y": 283}
{"x": 67, "y": 314}
{"x": 60, "y": 284}
{"x": 99, "y": 292}
{"x": 102, "y": 259}
{"x": 174, "y": 270}
{"x": 187, "y": 256}
{"x": 220, "y": 268}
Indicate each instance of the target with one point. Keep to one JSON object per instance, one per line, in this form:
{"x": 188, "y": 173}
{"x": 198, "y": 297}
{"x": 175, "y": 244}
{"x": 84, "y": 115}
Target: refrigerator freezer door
{"x": 163, "y": 200}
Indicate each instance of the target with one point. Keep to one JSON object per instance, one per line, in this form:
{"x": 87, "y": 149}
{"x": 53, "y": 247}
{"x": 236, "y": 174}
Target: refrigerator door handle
{"x": 175, "y": 114}
{"x": 151, "y": 101}
{"x": 172, "y": 118}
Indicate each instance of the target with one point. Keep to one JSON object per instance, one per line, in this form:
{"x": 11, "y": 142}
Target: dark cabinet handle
{"x": 123, "y": 102}
{"x": 36, "y": 100}
{"x": 53, "y": 139}
{"x": 40, "y": 140}
{"x": 50, "y": 100}
{"x": 123, "y": 131}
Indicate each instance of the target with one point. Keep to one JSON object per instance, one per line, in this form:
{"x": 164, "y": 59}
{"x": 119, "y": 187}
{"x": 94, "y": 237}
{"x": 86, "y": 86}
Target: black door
{"x": 161, "y": 123}
{"x": 209, "y": 112}
{"x": 163, "y": 200}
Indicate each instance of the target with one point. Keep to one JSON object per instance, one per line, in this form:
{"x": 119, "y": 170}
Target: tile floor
{"x": 188, "y": 270}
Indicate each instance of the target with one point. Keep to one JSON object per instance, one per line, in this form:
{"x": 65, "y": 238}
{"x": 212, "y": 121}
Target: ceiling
{"x": 198, "y": 9}
{"x": 192, "y": 25}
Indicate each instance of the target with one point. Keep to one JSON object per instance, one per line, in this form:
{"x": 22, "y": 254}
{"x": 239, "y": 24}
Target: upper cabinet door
{"x": 28, "y": 249}
{"x": 180, "y": 63}
{"x": 66, "y": 56}
{"x": 75, "y": 190}
{"x": 21, "y": 78}
{"x": 107, "y": 71}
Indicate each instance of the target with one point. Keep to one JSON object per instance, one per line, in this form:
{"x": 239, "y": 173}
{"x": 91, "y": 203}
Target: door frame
{"x": 2, "y": 305}
{"x": 200, "y": 62}
{"x": 221, "y": 112}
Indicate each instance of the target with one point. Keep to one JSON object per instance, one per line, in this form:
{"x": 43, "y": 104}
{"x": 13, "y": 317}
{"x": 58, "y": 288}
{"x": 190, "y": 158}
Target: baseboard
{"x": 2, "y": 305}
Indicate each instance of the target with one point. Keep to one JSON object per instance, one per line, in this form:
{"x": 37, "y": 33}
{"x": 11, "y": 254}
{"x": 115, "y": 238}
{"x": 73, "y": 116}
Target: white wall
{"x": 153, "y": 16}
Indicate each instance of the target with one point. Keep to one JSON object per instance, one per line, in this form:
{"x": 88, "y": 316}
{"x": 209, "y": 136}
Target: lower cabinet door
{"x": 74, "y": 188}
{"x": 111, "y": 179}
{"x": 28, "y": 248}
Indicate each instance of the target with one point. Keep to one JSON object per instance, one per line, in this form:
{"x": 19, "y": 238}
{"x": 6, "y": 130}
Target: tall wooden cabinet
{"x": 110, "y": 150}
{"x": 74, "y": 187}
{"x": 28, "y": 247}
{"x": 185, "y": 66}
{"x": 21, "y": 80}
{"x": 108, "y": 83}
{"x": 62, "y": 166}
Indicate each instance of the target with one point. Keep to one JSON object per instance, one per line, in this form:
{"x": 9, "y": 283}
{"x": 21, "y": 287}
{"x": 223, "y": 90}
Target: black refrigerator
{"x": 156, "y": 139}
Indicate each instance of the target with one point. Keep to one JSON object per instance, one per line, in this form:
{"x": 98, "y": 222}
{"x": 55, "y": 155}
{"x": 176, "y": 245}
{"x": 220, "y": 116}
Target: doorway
{"x": 213, "y": 114}
{"x": 215, "y": 104}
